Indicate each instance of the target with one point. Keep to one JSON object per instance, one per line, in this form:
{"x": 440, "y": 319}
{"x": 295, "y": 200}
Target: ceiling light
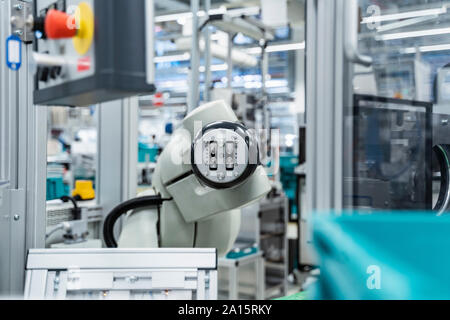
{"x": 277, "y": 48}
{"x": 412, "y": 34}
{"x": 201, "y": 13}
{"x": 173, "y": 58}
{"x": 439, "y": 47}
{"x": 286, "y": 47}
{"x": 405, "y": 15}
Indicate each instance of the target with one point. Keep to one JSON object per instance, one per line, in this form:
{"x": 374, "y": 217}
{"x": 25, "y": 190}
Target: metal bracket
{"x": 22, "y": 20}
{"x": 351, "y": 35}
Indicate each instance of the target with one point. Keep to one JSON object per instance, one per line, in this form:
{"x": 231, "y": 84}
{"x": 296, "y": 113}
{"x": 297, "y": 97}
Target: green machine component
{"x": 242, "y": 252}
{"x": 56, "y": 188}
{"x": 288, "y": 178}
{"x": 148, "y": 152}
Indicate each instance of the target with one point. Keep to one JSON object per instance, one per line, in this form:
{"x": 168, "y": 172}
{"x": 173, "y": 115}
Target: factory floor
{"x": 294, "y": 287}
{"x": 301, "y": 279}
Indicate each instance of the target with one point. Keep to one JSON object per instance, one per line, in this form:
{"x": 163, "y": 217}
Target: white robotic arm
{"x": 206, "y": 173}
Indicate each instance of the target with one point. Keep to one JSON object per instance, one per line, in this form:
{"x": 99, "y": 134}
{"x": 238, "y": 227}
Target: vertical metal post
{"x": 109, "y": 186}
{"x": 324, "y": 110}
{"x": 264, "y": 65}
{"x": 311, "y": 91}
{"x": 260, "y": 279}
{"x": 149, "y": 38}
{"x": 207, "y": 36}
{"x": 194, "y": 92}
{"x": 130, "y": 146}
{"x": 324, "y": 104}
{"x": 299, "y": 75}
{"x": 117, "y": 152}
{"x": 264, "y": 70}
{"x": 264, "y": 74}
{"x": 230, "y": 61}
{"x": 233, "y": 282}
{"x": 201, "y": 284}
{"x": 5, "y": 155}
{"x": 213, "y": 287}
{"x": 23, "y": 157}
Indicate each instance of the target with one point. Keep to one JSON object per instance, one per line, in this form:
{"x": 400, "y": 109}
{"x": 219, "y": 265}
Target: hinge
{"x": 22, "y": 20}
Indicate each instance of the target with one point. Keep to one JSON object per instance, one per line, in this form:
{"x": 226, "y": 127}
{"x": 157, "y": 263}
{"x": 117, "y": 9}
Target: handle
{"x": 351, "y": 35}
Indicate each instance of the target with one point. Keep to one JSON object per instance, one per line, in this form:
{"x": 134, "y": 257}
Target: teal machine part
{"x": 147, "y": 153}
{"x": 56, "y": 188}
{"x": 242, "y": 252}
{"x": 288, "y": 178}
{"x": 398, "y": 255}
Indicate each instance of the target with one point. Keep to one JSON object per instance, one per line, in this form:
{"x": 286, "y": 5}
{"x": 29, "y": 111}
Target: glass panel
{"x": 71, "y": 157}
{"x": 391, "y": 154}
{"x": 156, "y": 126}
{"x": 72, "y": 149}
{"x": 398, "y": 122}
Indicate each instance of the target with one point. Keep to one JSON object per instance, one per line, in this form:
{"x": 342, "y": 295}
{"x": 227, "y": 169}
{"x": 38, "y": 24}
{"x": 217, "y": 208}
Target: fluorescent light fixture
{"x": 201, "y": 13}
{"x": 412, "y": 34}
{"x": 215, "y": 67}
{"x": 176, "y": 85}
{"x": 219, "y": 67}
{"x": 173, "y": 17}
{"x": 277, "y": 48}
{"x": 405, "y": 15}
{"x": 269, "y": 84}
{"x": 405, "y": 23}
{"x": 247, "y": 11}
{"x": 201, "y": 69}
{"x": 276, "y": 83}
{"x": 254, "y": 50}
{"x": 173, "y": 58}
{"x": 286, "y": 47}
{"x": 439, "y": 47}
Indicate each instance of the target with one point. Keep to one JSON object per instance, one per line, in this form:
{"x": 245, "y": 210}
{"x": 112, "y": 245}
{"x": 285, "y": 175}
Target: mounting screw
{"x": 18, "y": 6}
{"x": 132, "y": 279}
{"x": 16, "y": 217}
{"x": 29, "y": 21}
{"x": 14, "y": 21}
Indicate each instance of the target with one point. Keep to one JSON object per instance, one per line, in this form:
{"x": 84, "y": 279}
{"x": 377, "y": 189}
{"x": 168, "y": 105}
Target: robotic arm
{"x": 206, "y": 173}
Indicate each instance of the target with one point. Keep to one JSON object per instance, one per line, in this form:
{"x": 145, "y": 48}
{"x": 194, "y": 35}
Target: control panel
{"x": 66, "y": 50}
{"x": 92, "y": 51}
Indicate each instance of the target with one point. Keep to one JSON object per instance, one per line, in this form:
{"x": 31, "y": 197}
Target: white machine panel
{"x": 111, "y": 274}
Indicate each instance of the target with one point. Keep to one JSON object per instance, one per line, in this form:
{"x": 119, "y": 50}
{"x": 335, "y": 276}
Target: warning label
{"x": 84, "y": 64}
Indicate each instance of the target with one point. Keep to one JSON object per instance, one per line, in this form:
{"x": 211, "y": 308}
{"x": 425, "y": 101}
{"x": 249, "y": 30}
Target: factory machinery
{"x": 77, "y": 53}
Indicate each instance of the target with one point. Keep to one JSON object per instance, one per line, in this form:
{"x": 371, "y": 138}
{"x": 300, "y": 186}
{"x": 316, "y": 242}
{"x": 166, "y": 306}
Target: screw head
{"x": 14, "y": 21}
{"x": 16, "y": 217}
{"x": 29, "y": 21}
{"x": 18, "y": 6}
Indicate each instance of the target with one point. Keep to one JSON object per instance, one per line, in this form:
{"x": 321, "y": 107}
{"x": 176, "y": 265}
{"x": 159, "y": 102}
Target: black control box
{"x": 109, "y": 57}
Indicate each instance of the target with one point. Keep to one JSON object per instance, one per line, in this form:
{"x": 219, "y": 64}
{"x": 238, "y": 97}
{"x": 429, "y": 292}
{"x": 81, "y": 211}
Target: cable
{"x": 76, "y": 210}
{"x": 435, "y": 84}
{"x": 443, "y": 153}
{"x": 59, "y": 227}
{"x": 117, "y": 212}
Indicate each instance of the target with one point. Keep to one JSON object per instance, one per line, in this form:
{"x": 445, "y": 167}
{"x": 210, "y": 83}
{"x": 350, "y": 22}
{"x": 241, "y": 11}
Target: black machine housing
{"x": 120, "y": 59}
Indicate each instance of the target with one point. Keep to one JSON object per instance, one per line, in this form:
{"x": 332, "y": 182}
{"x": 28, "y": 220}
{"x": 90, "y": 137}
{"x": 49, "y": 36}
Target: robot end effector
{"x": 209, "y": 169}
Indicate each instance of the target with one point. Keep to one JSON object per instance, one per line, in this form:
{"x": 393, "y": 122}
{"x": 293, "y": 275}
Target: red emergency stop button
{"x": 59, "y": 25}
